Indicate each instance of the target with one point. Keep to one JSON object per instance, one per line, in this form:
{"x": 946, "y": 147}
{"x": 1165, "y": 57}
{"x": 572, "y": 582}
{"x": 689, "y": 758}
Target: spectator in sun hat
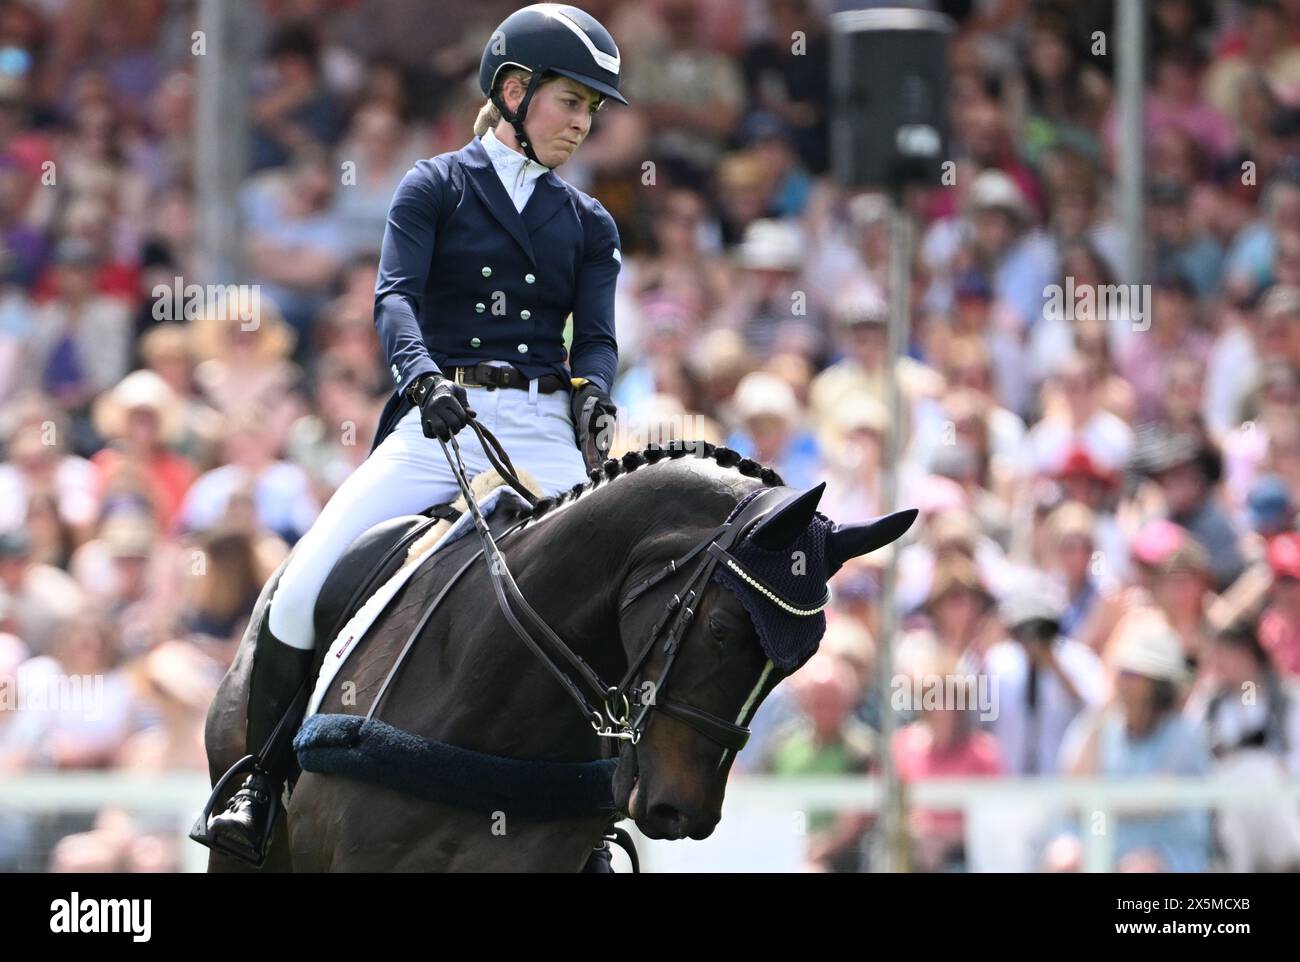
{"x": 248, "y": 362}
{"x": 1044, "y": 678}
{"x": 1003, "y": 235}
{"x": 1142, "y": 732}
{"x": 853, "y": 438}
{"x": 1072, "y": 560}
{"x": 130, "y": 568}
{"x": 167, "y": 351}
{"x": 1182, "y": 592}
{"x": 1187, "y": 467}
{"x": 1085, "y": 481}
{"x": 140, "y": 419}
{"x": 860, "y": 317}
{"x": 1279, "y": 625}
{"x": 771, "y": 258}
{"x": 958, "y": 602}
{"x": 770, "y": 430}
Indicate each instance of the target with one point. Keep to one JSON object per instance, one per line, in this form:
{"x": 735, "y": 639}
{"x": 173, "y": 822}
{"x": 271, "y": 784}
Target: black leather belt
{"x": 493, "y": 376}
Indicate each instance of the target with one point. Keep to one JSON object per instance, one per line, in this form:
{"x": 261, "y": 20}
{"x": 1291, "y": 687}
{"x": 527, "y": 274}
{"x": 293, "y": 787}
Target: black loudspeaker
{"x": 889, "y": 91}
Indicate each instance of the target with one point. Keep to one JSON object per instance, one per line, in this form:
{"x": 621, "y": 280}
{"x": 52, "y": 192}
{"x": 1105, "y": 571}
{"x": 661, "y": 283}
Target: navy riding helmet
{"x": 549, "y": 38}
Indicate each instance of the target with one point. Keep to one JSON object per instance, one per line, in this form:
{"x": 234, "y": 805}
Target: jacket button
{"x": 487, "y": 272}
{"x": 529, "y": 278}
{"x": 525, "y": 315}
{"x": 523, "y": 348}
{"x": 480, "y": 307}
{"x": 474, "y": 342}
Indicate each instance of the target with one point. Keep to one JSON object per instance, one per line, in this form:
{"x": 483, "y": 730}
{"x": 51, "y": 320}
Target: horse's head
{"x": 755, "y": 620}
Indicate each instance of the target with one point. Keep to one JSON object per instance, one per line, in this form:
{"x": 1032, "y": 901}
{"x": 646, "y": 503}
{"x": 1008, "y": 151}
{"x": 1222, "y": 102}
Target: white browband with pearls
{"x": 767, "y": 593}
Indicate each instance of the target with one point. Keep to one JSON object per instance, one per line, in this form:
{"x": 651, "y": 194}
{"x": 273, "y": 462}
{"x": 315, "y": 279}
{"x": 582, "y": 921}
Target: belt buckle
{"x": 460, "y": 379}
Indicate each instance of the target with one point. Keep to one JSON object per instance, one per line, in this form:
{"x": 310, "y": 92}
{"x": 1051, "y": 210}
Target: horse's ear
{"x": 853, "y": 540}
{"x": 783, "y": 525}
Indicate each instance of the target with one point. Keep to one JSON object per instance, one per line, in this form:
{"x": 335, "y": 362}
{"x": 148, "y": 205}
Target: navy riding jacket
{"x": 464, "y": 277}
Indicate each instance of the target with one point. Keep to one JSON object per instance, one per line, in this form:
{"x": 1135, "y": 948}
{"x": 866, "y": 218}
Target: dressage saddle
{"x": 364, "y": 566}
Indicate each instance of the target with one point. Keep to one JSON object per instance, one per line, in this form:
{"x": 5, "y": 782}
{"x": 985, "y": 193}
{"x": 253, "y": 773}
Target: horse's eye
{"x": 719, "y": 626}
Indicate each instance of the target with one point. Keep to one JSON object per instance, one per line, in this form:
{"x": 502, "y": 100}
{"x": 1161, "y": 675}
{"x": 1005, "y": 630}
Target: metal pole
{"x": 892, "y": 852}
{"x": 1130, "y": 26}
{"x": 221, "y": 161}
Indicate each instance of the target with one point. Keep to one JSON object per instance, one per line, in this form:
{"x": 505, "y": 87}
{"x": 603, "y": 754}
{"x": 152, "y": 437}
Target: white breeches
{"x": 408, "y": 472}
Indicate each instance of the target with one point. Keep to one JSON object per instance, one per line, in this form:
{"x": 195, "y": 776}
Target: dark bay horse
{"x": 470, "y": 682}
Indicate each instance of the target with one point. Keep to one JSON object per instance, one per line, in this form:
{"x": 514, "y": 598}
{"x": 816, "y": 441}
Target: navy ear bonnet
{"x": 796, "y": 576}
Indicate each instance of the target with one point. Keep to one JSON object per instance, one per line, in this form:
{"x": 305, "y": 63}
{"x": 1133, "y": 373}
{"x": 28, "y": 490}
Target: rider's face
{"x": 559, "y": 119}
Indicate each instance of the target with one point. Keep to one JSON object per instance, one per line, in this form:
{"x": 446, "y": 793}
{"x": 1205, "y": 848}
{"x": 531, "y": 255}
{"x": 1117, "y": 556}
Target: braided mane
{"x": 654, "y": 453}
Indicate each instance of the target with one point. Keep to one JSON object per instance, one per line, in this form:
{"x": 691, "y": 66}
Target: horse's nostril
{"x": 665, "y": 814}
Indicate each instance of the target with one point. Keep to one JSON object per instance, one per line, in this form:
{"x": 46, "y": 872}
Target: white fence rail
{"x": 760, "y": 829}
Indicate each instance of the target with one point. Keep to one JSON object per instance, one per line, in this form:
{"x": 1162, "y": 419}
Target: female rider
{"x": 485, "y": 255}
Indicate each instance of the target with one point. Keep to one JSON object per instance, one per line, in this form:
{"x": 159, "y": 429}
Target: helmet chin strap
{"x": 516, "y": 119}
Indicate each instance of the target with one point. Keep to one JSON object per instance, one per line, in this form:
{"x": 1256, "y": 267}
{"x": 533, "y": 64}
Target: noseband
{"x": 613, "y": 720}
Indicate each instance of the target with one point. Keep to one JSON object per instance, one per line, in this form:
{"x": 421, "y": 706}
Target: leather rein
{"x": 609, "y": 707}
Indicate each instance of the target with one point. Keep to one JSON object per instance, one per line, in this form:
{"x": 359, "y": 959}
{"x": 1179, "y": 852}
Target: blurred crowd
{"x": 1109, "y": 495}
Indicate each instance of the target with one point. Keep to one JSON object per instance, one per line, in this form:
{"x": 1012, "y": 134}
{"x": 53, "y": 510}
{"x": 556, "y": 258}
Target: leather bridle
{"x": 612, "y": 720}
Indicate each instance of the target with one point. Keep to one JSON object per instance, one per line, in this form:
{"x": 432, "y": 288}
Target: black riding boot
{"x": 277, "y": 697}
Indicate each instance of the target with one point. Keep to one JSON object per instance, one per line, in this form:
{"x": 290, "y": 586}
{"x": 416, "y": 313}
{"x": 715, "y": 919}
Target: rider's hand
{"x": 444, "y": 407}
{"x": 593, "y": 418}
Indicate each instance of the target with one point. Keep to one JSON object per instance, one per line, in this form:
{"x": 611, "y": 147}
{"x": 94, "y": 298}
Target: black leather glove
{"x": 593, "y": 421}
{"x": 444, "y": 406}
